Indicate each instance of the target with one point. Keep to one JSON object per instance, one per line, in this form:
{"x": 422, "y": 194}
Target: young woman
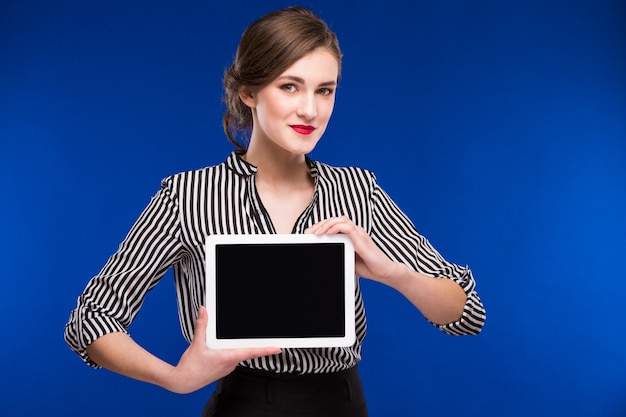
{"x": 280, "y": 92}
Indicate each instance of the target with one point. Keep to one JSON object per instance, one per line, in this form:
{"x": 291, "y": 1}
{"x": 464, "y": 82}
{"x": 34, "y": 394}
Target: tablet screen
{"x": 285, "y": 293}
{"x": 280, "y": 290}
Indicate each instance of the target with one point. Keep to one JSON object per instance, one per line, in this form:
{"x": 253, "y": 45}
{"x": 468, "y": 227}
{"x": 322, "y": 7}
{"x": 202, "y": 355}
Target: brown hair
{"x": 267, "y": 48}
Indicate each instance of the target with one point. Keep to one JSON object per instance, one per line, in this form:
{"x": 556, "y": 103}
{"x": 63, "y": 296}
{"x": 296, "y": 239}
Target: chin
{"x": 304, "y": 149}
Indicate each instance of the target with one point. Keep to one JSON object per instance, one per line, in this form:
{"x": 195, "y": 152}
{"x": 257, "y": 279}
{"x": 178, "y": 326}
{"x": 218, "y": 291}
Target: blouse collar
{"x": 246, "y": 169}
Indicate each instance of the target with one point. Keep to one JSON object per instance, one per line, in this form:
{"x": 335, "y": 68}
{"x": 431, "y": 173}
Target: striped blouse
{"x": 223, "y": 199}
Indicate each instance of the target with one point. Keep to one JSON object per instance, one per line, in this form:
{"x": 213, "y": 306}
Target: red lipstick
{"x": 303, "y": 129}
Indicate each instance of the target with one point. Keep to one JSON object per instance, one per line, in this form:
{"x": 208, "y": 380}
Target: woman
{"x": 280, "y": 92}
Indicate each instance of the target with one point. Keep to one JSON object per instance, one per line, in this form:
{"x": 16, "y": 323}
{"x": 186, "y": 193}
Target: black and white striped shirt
{"x": 222, "y": 199}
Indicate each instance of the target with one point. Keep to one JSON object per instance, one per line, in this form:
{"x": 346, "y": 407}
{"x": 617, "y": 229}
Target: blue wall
{"x": 498, "y": 126}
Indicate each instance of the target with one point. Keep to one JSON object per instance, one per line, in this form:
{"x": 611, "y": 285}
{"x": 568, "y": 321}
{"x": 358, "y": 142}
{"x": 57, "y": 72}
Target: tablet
{"x": 280, "y": 290}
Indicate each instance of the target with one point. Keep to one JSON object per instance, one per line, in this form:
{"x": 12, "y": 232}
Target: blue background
{"x": 498, "y": 126}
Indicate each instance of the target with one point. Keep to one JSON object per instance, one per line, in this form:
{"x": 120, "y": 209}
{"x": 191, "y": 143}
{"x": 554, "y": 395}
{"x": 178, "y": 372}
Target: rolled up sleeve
{"x": 396, "y": 235}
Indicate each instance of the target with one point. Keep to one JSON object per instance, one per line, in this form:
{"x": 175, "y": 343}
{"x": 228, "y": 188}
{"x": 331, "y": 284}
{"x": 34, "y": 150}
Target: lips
{"x": 303, "y": 129}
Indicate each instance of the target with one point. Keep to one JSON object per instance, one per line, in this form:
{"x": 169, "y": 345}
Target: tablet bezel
{"x": 348, "y": 338}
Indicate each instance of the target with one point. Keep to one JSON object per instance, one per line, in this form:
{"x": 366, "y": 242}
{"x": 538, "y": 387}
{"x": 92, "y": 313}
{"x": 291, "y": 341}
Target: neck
{"x": 277, "y": 165}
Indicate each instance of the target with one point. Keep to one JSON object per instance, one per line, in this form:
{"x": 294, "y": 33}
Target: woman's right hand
{"x": 199, "y": 366}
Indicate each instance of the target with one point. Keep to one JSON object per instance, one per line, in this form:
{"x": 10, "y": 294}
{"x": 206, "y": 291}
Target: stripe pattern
{"x": 222, "y": 199}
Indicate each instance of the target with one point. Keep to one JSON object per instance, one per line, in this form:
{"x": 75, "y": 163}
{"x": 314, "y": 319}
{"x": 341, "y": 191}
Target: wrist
{"x": 167, "y": 378}
{"x": 397, "y": 274}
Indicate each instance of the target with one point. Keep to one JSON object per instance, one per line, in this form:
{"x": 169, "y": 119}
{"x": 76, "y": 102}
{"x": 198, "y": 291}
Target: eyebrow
{"x": 301, "y": 80}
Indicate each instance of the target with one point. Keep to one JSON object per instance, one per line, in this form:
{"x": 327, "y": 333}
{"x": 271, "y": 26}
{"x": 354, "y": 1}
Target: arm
{"x": 97, "y": 327}
{"x": 113, "y": 297}
{"x": 441, "y": 301}
{"x": 391, "y": 251}
{"x": 198, "y": 366}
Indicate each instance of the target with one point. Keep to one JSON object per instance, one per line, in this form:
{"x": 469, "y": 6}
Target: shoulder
{"x": 192, "y": 179}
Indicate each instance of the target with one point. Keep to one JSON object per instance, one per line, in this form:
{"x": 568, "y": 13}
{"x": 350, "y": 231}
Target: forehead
{"x": 318, "y": 65}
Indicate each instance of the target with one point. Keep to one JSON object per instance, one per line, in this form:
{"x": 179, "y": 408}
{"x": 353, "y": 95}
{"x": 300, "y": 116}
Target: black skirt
{"x": 253, "y": 393}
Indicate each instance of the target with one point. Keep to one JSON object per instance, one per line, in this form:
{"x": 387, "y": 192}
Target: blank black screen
{"x": 280, "y": 290}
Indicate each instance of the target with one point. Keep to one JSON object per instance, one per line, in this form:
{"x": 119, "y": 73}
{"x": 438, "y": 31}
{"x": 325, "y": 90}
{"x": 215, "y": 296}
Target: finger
{"x": 340, "y": 225}
{"x": 314, "y": 228}
{"x": 199, "y": 335}
{"x": 239, "y": 355}
{"x": 326, "y": 226}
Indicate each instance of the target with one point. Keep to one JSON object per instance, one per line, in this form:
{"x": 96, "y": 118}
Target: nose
{"x": 307, "y": 107}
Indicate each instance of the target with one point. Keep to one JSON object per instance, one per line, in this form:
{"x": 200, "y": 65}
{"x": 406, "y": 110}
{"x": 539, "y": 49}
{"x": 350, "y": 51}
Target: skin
{"x": 304, "y": 95}
{"x": 198, "y": 366}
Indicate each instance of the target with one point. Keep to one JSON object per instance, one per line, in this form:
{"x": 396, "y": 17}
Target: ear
{"x": 247, "y": 96}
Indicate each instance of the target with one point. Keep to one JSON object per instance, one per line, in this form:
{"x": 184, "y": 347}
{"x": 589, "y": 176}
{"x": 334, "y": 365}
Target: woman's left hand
{"x": 440, "y": 300}
{"x": 370, "y": 261}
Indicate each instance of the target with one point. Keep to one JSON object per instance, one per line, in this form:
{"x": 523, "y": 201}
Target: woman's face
{"x": 292, "y": 112}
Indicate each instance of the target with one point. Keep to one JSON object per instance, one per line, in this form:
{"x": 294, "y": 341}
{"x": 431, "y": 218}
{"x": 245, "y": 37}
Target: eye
{"x": 325, "y": 91}
{"x": 290, "y": 88}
